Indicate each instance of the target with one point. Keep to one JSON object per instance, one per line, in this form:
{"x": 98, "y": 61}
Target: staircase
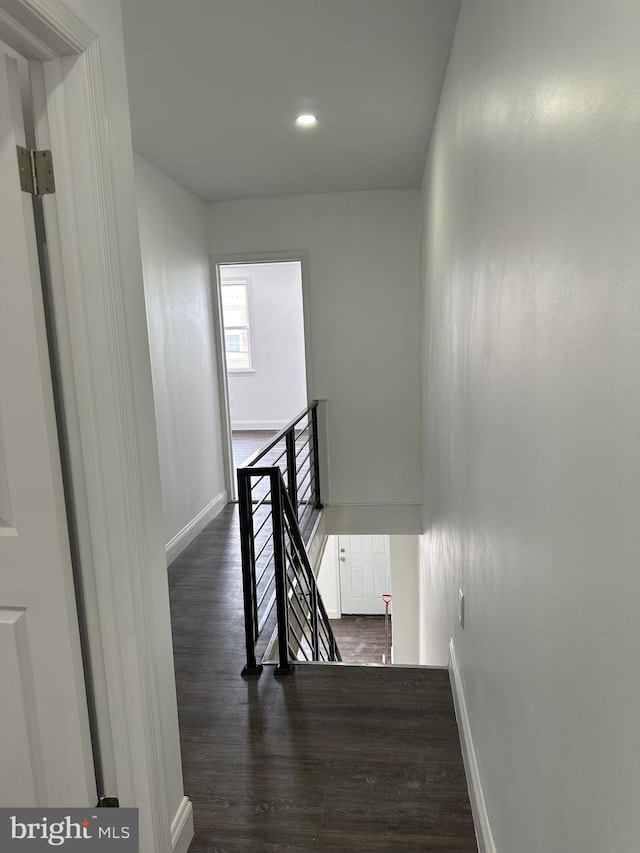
{"x": 364, "y": 759}
{"x": 279, "y": 505}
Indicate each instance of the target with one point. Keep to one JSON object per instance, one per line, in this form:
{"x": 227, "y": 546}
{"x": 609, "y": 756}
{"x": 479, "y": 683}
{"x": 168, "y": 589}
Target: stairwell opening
{"x": 355, "y": 572}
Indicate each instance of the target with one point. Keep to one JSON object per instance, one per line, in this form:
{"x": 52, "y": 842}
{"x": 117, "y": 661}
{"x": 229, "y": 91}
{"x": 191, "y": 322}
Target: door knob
{"x": 342, "y": 560}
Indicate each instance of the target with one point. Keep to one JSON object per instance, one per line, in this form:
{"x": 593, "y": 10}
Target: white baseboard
{"x": 334, "y": 614}
{"x": 258, "y": 426}
{"x": 476, "y": 794}
{"x": 189, "y": 532}
{"x": 400, "y": 519}
{"x": 182, "y": 829}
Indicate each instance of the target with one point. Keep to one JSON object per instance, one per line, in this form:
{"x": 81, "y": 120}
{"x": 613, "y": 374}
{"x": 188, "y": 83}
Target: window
{"x": 235, "y": 311}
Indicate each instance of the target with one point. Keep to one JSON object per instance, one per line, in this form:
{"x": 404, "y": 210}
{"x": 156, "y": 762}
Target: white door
{"x": 365, "y": 573}
{"x": 44, "y": 732}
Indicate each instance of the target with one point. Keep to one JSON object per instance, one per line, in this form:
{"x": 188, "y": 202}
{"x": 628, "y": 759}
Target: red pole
{"x": 386, "y": 597}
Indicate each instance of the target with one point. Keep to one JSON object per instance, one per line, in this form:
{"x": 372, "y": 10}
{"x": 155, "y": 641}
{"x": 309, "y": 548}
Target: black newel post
{"x": 253, "y": 668}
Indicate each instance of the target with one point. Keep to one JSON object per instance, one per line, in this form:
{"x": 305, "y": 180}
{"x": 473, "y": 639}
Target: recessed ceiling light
{"x": 306, "y": 120}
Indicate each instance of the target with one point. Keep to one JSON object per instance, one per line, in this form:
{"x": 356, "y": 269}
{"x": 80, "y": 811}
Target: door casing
{"x": 108, "y": 408}
{"x": 252, "y": 258}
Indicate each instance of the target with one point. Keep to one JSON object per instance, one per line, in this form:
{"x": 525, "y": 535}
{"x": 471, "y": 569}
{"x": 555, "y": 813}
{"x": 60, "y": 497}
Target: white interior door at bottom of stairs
{"x": 365, "y": 573}
{"x": 44, "y": 730}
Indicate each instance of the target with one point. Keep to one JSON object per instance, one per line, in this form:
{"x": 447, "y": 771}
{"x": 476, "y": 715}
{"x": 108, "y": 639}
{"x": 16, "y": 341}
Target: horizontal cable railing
{"x": 279, "y": 501}
{"x": 294, "y": 450}
{"x": 304, "y": 630}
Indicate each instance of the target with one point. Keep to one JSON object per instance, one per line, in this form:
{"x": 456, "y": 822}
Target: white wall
{"x": 405, "y": 571}
{"x": 532, "y": 418}
{"x": 276, "y": 391}
{"x": 329, "y": 578}
{"x": 178, "y": 296}
{"x": 363, "y": 269}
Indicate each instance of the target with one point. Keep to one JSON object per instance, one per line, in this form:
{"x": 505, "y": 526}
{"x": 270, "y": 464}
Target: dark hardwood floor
{"x": 333, "y": 758}
{"x": 360, "y": 638}
{"x": 247, "y": 442}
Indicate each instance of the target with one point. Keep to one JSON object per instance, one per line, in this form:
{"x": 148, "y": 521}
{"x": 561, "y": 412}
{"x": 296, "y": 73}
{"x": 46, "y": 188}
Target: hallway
{"x": 334, "y": 758}
{"x": 247, "y": 442}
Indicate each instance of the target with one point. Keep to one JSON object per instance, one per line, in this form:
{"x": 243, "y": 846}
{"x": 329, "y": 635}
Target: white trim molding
{"x": 179, "y": 542}
{"x": 182, "y": 828}
{"x": 474, "y": 781}
{"x": 109, "y": 415}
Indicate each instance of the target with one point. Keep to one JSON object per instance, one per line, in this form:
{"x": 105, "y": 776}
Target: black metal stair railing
{"x": 279, "y": 502}
{"x": 294, "y": 450}
{"x": 304, "y": 630}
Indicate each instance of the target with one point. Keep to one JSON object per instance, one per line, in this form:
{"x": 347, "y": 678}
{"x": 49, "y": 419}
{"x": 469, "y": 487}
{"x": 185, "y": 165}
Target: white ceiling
{"x": 216, "y": 84}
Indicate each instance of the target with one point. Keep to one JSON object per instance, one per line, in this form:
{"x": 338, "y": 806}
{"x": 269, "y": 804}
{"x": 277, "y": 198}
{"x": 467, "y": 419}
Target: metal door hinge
{"x": 36, "y": 171}
{"x": 108, "y": 803}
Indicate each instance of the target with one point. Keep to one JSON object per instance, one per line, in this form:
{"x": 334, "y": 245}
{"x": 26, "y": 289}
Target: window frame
{"x": 246, "y": 282}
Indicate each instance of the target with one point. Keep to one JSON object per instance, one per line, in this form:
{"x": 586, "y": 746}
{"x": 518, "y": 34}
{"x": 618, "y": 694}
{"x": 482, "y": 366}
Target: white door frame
{"x": 252, "y": 258}
{"x": 105, "y": 374}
